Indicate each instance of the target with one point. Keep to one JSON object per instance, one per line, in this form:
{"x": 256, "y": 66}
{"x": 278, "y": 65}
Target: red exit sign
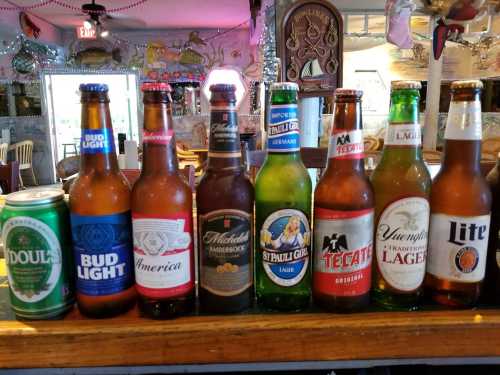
{"x": 84, "y": 33}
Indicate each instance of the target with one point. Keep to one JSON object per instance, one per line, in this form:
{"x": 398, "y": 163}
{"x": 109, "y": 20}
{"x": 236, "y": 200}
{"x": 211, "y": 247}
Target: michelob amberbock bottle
{"x": 162, "y": 216}
{"x": 402, "y": 184}
{"x": 460, "y": 206}
{"x": 283, "y": 210}
{"x": 224, "y": 199}
{"x": 343, "y": 214}
{"x": 100, "y": 215}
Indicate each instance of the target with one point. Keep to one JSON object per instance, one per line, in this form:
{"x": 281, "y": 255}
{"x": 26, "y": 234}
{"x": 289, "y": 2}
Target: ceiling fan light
{"x": 87, "y": 24}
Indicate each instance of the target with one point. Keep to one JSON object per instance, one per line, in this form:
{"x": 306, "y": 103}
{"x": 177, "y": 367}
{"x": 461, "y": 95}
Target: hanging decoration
{"x": 29, "y": 28}
{"x": 67, "y": 5}
{"x": 24, "y": 62}
{"x": 398, "y": 25}
{"x": 270, "y": 68}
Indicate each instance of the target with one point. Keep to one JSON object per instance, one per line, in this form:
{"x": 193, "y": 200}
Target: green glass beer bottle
{"x": 402, "y": 184}
{"x": 283, "y": 211}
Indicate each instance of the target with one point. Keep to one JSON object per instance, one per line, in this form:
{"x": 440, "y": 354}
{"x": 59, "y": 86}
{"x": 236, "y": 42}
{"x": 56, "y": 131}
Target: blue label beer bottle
{"x": 100, "y": 215}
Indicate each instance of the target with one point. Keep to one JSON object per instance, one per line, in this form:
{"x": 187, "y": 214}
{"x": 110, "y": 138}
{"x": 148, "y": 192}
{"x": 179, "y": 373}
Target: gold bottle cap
{"x": 406, "y": 85}
{"x": 470, "y": 84}
{"x": 348, "y": 92}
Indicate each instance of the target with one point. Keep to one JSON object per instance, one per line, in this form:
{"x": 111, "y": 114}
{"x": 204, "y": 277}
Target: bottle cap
{"x": 348, "y": 92}
{"x": 93, "y": 87}
{"x": 34, "y": 196}
{"x": 285, "y": 86}
{"x": 471, "y": 84}
{"x": 156, "y": 86}
{"x": 406, "y": 85}
{"x": 223, "y": 87}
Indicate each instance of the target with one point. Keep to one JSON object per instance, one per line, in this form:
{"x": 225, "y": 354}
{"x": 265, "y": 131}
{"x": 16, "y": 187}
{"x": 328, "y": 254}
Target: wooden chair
{"x": 371, "y": 143}
{"x": 9, "y": 177}
{"x": 4, "y": 148}
{"x": 24, "y": 155}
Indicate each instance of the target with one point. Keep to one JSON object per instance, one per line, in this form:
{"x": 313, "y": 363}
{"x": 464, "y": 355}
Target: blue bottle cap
{"x": 93, "y": 87}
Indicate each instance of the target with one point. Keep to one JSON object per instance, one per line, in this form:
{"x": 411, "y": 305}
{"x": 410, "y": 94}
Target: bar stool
{"x": 73, "y": 151}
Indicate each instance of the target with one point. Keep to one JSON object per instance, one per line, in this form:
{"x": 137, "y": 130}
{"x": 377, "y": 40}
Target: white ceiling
{"x": 161, "y": 14}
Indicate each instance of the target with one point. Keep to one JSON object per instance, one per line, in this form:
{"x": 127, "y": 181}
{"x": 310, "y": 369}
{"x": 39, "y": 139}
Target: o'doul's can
{"x": 38, "y": 254}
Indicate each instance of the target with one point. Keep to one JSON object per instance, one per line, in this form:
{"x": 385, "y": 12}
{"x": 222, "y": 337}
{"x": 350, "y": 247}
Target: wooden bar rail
{"x": 130, "y": 341}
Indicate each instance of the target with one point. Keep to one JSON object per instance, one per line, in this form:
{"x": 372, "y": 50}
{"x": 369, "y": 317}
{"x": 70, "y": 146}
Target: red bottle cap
{"x": 156, "y": 86}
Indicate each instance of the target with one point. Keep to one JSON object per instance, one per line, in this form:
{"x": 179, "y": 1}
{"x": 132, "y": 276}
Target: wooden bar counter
{"x": 247, "y": 338}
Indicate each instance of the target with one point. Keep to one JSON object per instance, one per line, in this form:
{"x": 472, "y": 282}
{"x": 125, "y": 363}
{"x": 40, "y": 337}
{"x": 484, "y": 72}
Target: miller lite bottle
{"x": 402, "y": 184}
{"x": 460, "y": 206}
{"x": 343, "y": 215}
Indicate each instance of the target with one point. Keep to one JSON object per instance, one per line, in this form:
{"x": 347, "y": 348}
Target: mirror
{"x": 19, "y": 99}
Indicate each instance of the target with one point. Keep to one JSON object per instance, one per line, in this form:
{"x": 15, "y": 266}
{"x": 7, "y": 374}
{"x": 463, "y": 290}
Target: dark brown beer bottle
{"x": 224, "y": 201}
{"x": 100, "y": 215}
{"x": 492, "y": 279}
{"x": 343, "y": 215}
{"x": 162, "y": 216}
{"x": 460, "y": 206}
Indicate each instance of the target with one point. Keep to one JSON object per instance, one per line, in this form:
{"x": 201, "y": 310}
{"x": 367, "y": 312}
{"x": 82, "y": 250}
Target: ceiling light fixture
{"x": 87, "y": 24}
{"x": 104, "y": 33}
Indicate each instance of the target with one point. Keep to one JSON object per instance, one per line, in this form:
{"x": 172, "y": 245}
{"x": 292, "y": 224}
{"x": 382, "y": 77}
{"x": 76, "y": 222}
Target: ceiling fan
{"x": 98, "y": 16}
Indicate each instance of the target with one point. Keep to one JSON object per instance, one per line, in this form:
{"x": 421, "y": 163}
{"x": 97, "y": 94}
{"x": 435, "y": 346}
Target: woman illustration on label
{"x": 291, "y": 238}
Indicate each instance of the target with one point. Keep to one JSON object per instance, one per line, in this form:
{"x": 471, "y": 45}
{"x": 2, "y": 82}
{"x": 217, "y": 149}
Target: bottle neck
{"x": 463, "y": 155}
{"x": 463, "y": 133}
{"x": 346, "y": 148}
{"x": 403, "y": 136}
{"x": 159, "y": 147}
{"x": 97, "y": 142}
{"x": 224, "y": 149}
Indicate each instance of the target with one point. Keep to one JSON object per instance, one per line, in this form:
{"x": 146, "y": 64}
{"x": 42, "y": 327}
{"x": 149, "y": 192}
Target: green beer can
{"x": 38, "y": 254}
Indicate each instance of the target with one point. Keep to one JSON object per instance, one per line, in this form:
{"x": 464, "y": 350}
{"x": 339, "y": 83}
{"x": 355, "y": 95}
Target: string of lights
{"x": 70, "y": 6}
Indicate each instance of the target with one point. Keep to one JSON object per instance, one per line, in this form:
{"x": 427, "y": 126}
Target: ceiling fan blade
{"x": 122, "y": 22}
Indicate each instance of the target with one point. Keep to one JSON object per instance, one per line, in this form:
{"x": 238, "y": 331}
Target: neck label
{"x": 283, "y": 132}
{"x": 346, "y": 145}
{"x": 464, "y": 121}
{"x": 224, "y": 136}
{"x": 403, "y": 135}
{"x": 162, "y": 137}
{"x": 97, "y": 141}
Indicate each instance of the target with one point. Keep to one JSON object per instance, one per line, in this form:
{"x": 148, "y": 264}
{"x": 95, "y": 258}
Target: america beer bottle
{"x": 224, "y": 199}
{"x": 343, "y": 214}
{"x": 100, "y": 215}
{"x": 402, "y": 184}
{"x": 162, "y": 216}
{"x": 460, "y": 206}
{"x": 283, "y": 211}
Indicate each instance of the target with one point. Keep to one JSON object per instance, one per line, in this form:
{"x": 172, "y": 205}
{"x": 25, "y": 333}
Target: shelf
{"x": 247, "y": 338}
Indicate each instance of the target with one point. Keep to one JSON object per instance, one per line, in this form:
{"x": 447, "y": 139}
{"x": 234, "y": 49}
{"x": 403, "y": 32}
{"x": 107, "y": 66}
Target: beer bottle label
{"x": 33, "y": 257}
{"x": 343, "y": 245}
{"x": 226, "y": 252}
{"x": 401, "y": 242}
{"x": 346, "y": 145}
{"x": 97, "y": 141}
{"x": 163, "y": 255}
{"x": 283, "y": 130}
{"x": 464, "y": 121}
{"x": 103, "y": 253}
{"x": 224, "y": 134}
{"x": 285, "y": 239}
{"x": 458, "y": 247}
{"x": 403, "y": 135}
{"x": 157, "y": 138}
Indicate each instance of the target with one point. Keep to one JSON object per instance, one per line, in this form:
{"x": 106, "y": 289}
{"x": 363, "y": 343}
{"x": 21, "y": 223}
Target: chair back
{"x": 4, "y": 148}
{"x": 9, "y": 177}
{"x": 24, "y": 153}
